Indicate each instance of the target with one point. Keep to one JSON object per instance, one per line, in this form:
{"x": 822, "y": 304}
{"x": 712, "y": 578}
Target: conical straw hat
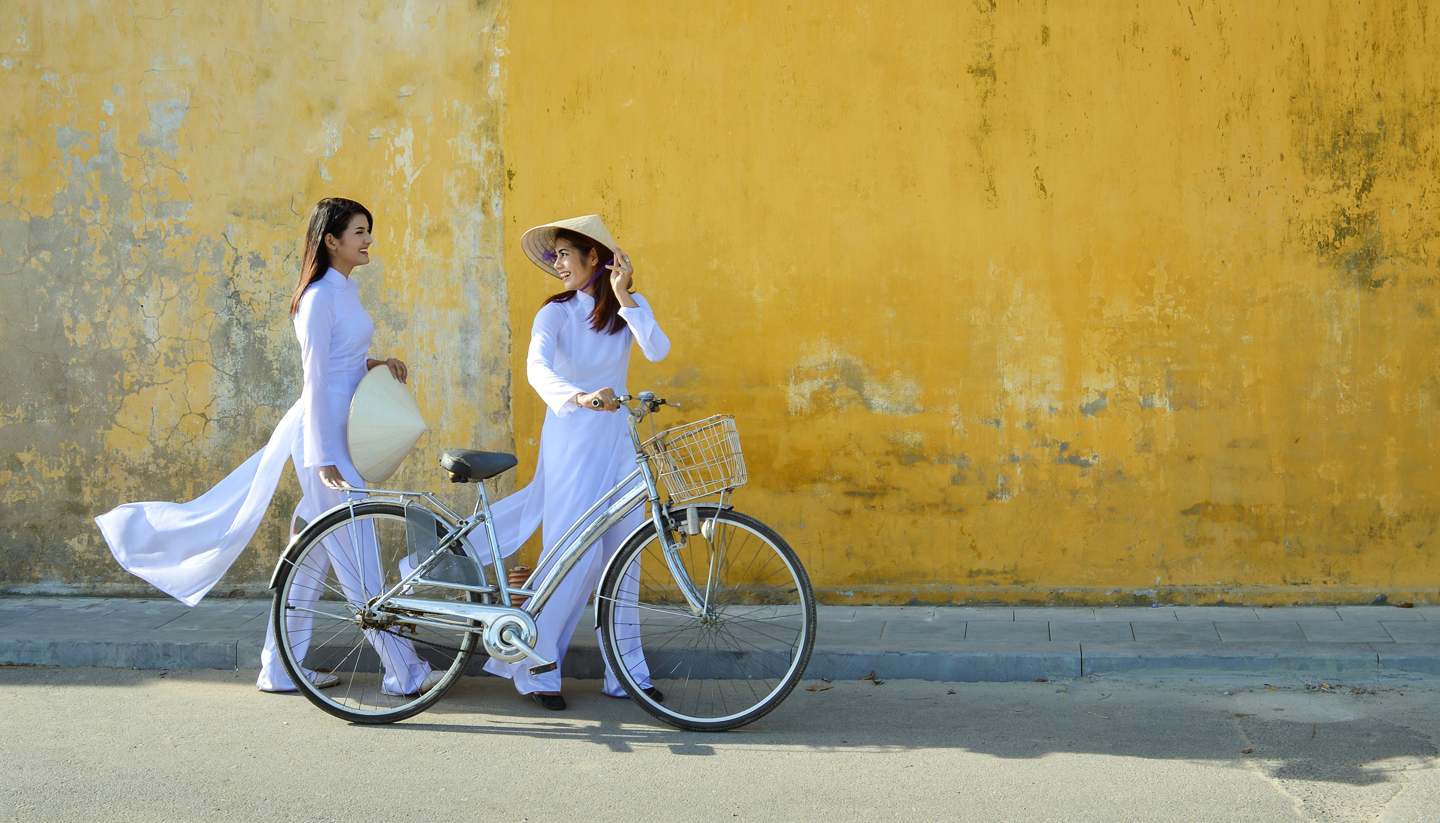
{"x": 539, "y": 242}
{"x": 384, "y": 425}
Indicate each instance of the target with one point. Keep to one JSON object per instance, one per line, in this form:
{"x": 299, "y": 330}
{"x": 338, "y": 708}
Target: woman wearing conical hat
{"x": 184, "y": 549}
{"x": 578, "y": 361}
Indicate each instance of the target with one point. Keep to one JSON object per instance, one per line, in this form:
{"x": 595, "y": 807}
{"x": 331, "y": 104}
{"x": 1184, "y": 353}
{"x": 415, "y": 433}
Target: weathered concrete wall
{"x": 1025, "y": 301}
{"x": 158, "y": 163}
{"x": 1016, "y": 301}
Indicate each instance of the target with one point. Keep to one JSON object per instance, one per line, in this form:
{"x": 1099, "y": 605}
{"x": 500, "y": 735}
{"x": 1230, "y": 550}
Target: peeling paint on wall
{"x": 829, "y": 376}
{"x": 160, "y": 169}
{"x": 1031, "y": 303}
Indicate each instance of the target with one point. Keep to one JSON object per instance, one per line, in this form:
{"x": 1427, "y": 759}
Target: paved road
{"x": 92, "y": 744}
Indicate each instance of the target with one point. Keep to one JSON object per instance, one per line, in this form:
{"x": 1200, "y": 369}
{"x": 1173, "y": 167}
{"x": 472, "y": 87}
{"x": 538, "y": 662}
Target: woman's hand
{"x": 621, "y": 274}
{"x": 331, "y": 477}
{"x": 605, "y": 397}
{"x": 397, "y": 367}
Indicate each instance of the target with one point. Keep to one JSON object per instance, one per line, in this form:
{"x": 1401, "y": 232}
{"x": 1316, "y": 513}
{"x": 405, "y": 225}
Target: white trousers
{"x": 355, "y": 556}
{"x": 557, "y": 621}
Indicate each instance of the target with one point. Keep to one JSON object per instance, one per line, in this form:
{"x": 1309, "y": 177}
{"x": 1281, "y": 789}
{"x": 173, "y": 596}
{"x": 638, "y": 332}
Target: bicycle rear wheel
{"x": 732, "y": 664}
{"x": 351, "y": 556}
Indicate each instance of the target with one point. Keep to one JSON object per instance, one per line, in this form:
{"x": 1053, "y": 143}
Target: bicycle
{"x": 722, "y": 613}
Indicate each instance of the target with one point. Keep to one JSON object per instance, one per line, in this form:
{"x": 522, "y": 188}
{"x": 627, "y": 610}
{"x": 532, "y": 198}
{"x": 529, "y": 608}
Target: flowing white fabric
{"x": 354, "y": 559}
{"x": 582, "y": 454}
{"x": 183, "y": 549}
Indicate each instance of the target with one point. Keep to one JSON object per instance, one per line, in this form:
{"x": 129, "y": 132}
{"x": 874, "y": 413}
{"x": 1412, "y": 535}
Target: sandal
{"x": 549, "y": 700}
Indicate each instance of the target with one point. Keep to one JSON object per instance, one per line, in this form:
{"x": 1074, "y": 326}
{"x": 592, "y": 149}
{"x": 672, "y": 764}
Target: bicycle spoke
{"x": 752, "y": 645}
{"x": 354, "y": 650}
{"x": 769, "y": 636}
{"x": 652, "y": 635}
{"x": 316, "y": 611}
{"x": 641, "y": 650}
{"x": 776, "y": 621}
{"x": 719, "y": 687}
{"x": 647, "y": 608}
{"x": 332, "y": 636}
{"x": 349, "y": 561}
{"x": 756, "y": 610}
{"x": 749, "y": 681}
{"x": 741, "y": 656}
{"x": 326, "y": 585}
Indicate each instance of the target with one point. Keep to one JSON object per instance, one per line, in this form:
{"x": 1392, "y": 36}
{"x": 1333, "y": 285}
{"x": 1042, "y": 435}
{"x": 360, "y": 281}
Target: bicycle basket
{"x": 698, "y": 459}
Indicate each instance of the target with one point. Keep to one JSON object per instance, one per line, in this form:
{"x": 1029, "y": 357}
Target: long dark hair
{"x": 331, "y": 216}
{"x": 605, "y": 317}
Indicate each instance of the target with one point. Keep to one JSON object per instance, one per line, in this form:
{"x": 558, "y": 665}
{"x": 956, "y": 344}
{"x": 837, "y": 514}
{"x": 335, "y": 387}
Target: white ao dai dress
{"x": 583, "y": 453}
{"x": 184, "y": 549}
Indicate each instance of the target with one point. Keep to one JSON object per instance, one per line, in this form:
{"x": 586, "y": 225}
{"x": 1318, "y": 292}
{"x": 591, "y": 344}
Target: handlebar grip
{"x": 651, "y": 402}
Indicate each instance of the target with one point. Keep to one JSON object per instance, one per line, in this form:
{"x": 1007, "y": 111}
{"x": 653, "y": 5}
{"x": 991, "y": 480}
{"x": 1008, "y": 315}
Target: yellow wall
{"x": 158, "y": 163}
{"x": 1028, "y": 302}
{"x": 1020, "y": 302}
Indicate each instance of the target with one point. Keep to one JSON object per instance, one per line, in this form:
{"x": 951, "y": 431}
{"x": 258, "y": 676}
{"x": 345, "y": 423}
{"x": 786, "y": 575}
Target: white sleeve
{"x": 646, "y": 330}
{"x": 557, "y": 392}
{"x": 314, "y": 326}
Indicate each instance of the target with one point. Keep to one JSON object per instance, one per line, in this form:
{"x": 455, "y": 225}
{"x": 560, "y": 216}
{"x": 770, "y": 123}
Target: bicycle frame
{"x": 635, "y": 489}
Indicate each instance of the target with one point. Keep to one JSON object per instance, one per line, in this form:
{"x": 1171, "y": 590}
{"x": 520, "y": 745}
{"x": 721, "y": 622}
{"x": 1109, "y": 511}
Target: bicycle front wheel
{"x": 742, "y": 655}
{"x": 355, "y": 669}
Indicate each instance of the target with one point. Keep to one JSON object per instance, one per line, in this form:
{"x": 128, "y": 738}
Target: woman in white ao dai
{"x": 585, "y": 448}
{"x": 185, "y": 548}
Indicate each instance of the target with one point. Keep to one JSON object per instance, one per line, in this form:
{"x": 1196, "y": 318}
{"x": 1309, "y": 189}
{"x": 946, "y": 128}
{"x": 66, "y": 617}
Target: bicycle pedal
{"x": 542, "y": 668}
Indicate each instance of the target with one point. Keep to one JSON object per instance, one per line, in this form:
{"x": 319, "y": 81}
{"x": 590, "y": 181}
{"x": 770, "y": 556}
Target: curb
{"x": 974, "y": 662}
{"x": 133, "y": 655}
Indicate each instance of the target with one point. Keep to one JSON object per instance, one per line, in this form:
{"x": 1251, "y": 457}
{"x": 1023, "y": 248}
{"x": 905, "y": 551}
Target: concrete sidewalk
{"x": 942, "y": 643}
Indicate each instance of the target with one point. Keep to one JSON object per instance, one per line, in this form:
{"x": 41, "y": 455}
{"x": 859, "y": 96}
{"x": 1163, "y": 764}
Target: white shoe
{"x": 431, "y": 681}
{"x": 321, "y": 680}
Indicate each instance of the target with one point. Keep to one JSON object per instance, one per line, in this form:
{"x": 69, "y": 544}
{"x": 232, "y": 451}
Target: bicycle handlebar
{"x": 648, "y": 402}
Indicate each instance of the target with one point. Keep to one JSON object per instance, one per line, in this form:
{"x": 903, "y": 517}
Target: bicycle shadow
{"x": 611, "y": 734}
{"x": 1344, "y": 736}
{"x": 617, "y": 724}
{"x": 1345, "y": 742}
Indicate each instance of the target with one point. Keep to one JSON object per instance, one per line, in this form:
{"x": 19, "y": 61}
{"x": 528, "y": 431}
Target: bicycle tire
{"x": 610, "y": 602}
{"x": 463, "y": 652}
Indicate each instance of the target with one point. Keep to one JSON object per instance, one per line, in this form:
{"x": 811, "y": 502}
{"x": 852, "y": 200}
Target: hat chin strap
{"x": 593, "y": 277}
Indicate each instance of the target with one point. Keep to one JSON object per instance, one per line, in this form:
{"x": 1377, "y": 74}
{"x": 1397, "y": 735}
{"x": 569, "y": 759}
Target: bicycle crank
{"x": 507, "y": 633}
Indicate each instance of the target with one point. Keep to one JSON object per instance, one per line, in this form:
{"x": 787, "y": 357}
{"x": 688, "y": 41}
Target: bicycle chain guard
{"x": 423, "y": 531}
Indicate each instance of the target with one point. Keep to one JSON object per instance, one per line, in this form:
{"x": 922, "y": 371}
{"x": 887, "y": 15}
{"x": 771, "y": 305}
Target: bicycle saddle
{"x": 468, "y": 466}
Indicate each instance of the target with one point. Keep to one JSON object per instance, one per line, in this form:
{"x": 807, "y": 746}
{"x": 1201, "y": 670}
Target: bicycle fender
{"x": 631, "y": 536}
{"x": 293, "y": 549}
